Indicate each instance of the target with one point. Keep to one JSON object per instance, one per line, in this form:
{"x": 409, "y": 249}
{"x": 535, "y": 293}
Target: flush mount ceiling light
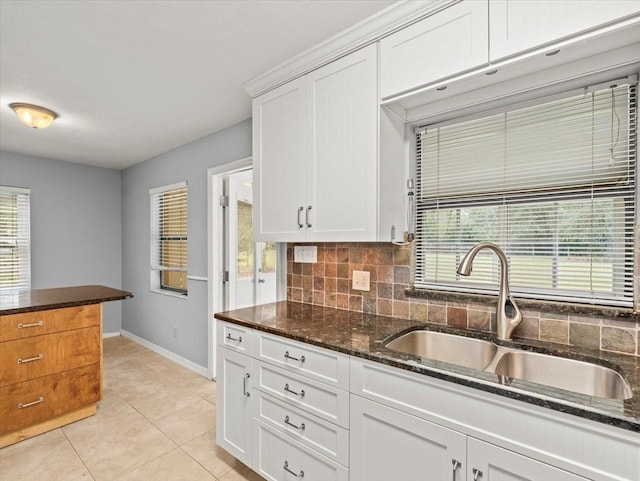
{"x": 33, "y": 115}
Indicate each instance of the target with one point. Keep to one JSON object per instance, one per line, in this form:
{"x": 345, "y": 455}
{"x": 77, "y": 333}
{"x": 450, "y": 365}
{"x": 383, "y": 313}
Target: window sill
{"x": 170, "y": 293}
{"x": 529, "y": 304}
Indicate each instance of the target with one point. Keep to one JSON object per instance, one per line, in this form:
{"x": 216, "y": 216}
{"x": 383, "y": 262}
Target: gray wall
{"x": 150, "y": 315}
{"x": 75, "y": 224}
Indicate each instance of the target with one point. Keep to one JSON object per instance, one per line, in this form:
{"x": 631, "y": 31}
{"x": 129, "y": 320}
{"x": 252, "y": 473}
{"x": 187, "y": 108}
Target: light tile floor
{"x": 156, "y": 421}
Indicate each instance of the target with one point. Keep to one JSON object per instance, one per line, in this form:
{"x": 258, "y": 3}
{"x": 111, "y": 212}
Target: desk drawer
{"x": 31, "y": 402}
{"x": 320, "y": 435}
{"x": 31, "y": 358}
{"x": 277, "y": 457}
{"x": 29, "y": 324}
{"x": 317, "y": 363}
{"x": 322, "y": 400}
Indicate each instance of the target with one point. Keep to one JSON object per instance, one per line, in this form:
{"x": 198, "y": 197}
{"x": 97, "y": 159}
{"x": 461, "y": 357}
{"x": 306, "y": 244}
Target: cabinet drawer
{"x": 324, "y": 437}
{"x": 39, "y": 356}
{"x": 235, "y": 337}
{"x": 320, "y": 364}
{"x": 59, "y": 393}
{"x": 275, "y": 454}
{"x": 28, "y": 324}
{"x": 326, "y": 402}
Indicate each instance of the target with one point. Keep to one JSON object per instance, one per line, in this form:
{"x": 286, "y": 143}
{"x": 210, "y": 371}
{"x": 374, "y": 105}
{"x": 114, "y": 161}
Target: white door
{"x": 251, "y": 266}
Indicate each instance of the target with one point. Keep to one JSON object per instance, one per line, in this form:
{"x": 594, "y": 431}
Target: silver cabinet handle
{"x": 308, "y": 217}
{"x": 301, "y": 393}
{"x": 286, "y": 421}
{"x": 455, "y": 465}
{"x": 477, "y": 474}
{"x": 300, "y": 224}
{"x": 244, "y": 385}
{"x": 237, "y": 339}
{"x": 297, "y": 475}
{"x": 33, "y": 403}
{"x": 31, "y": 359}
{"x": 288, "y": 356}
{"x": 35, "y": 324}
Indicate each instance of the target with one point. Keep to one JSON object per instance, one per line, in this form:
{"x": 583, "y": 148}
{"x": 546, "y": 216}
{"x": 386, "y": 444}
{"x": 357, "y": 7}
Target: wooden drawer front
{"x": 60, "y": 393}
{"x": 324, "y": 437}
{"x": 324, "y": 401}
{"x": 233, "y": 336}
{"x": 317, "y": 363}
{"x": 19, "y": 326}
{"x": 273, "y": 451}
{"x": 43, "y": 355}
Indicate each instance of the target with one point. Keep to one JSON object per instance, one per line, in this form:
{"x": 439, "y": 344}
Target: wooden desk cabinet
{"x": 50, "y": 369}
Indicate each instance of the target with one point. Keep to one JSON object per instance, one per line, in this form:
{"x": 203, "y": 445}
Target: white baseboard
{"x": 110, "y": 334}
{"x": 197, "y": 368}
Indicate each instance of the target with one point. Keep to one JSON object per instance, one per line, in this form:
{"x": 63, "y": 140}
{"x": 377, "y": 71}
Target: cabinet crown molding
{"x": 365, "y": 32}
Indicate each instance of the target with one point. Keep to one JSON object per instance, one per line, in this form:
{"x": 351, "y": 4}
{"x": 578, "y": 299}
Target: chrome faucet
{"x": 506, "y": 322}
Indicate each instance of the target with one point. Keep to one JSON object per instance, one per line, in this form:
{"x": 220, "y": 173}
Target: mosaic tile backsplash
{"x": 328, "y": 283}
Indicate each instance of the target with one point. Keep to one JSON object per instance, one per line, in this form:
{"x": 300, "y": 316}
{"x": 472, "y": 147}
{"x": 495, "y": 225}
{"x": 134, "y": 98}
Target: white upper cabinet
{"x": 444, "y": 44}
{"x": 521, "y": 25}
{"x": 278, "y": 163}
{"x": 315, "y": 154}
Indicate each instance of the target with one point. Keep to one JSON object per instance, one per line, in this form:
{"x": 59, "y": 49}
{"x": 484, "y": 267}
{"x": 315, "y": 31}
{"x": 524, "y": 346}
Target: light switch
{"x": 361, "y": 281}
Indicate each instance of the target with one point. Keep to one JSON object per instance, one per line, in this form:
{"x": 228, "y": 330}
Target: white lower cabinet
{"x": 388, "y": 444}
{"x": 486, "y": 462}
{"x": 234, "y": 414}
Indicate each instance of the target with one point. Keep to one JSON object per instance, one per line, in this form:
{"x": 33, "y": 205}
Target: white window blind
{"x": 169, "y": 236}
{"x": 552, "y": 183}
{"x": 15, "y": 245}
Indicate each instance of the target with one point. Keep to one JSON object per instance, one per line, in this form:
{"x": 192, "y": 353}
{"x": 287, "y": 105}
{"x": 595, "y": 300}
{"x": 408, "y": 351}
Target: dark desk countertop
{"x": 18, "y": 302}
{"x": 363, "y": 335}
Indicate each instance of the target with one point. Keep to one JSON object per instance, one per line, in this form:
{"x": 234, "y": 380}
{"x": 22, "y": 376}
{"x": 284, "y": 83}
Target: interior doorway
{"x": 242, "y": 272}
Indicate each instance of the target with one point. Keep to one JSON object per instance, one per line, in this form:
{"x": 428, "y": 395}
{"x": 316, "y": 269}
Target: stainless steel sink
{"x": 568, "y": 374}
{"x": 458, "y": 350}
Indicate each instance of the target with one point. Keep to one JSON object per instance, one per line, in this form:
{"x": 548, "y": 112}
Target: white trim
{"x": 363, "y": 33}
{"x": 165, "y": 188}
{"x": 215, "y": 253}
{"x": 192, "y": 366}
{"x": 106, "y": 335}
{"x": 170, "y": 293}
{"x": 14, "y": 190}
{"x": 198, "y": 278}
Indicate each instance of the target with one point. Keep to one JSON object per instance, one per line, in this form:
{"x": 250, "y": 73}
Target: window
{"x": 15, "y": 245}
{"x": 169, "y": 238}
{"x": 552, "y": 183}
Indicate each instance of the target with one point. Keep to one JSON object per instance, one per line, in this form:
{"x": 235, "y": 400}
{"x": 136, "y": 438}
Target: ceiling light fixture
{"x": 33, "y": 115}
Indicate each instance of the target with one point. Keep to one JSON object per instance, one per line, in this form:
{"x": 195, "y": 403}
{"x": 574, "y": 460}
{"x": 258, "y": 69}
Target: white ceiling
{"x": 133, "y": 79}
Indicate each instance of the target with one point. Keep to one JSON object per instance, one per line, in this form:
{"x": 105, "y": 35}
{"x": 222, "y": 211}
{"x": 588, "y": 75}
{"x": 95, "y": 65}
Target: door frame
{"x": 215, "y": 254}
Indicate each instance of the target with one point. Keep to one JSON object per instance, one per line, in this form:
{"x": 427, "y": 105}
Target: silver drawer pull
{"x": 31, "y": 359}
{"x": 35, "y": 324}
{"x": 237, "y": 339}
{"x": 477, "y": 474}
{"x": 299, "y": 359}
{"x": 301, "y": 427}
{"x": 33, "y": 403}
{"x": 297, "y": 475}
{"x": 455, "y": 464}
{"x": 301, "y": 393}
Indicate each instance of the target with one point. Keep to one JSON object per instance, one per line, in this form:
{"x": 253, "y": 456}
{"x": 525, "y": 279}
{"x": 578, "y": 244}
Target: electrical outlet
{"x": 306, "y": 254}
{"x": 361, "y": 281}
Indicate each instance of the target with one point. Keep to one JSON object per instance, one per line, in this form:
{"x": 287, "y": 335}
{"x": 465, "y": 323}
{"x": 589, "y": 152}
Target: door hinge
{"x": 224, "y": 276}
{"x": 224, "y": 201}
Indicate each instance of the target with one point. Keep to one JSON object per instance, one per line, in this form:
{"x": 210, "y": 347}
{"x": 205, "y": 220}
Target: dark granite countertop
{"x": 363, "y": 335}
{"x": 29, "y": 300}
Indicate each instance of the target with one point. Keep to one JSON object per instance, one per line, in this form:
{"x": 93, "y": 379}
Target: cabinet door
{"x": 520, "y": 25}
{"x": 233, "y": 418}
{"x": 342, "y": 151}
{"x": 486, "y": 462}
{"x": 388, "y": 444}
{"x": 278, "y": 163}
{"x": 447, "y": 43}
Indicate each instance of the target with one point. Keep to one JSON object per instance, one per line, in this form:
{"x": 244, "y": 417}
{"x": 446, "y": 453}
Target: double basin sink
{"x": 508, "y": 363}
